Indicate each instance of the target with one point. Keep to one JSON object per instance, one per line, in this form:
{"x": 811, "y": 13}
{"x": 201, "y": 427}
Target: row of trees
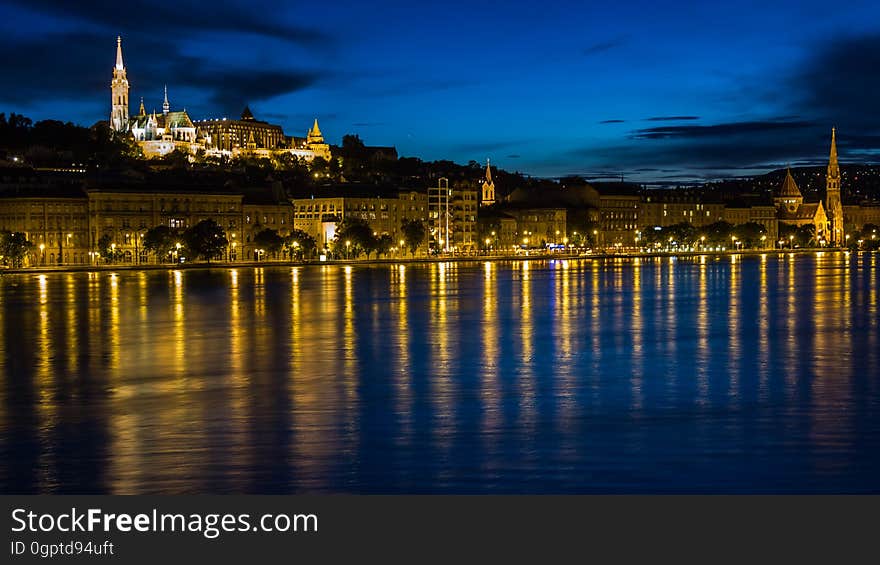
{"x": 207, "y": 240}
{"x": 297, "y": 245}
{"x": 355, "y": 237}
{"x": 750, "y": 235}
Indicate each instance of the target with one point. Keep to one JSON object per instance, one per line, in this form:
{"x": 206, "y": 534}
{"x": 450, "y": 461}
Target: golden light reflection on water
{"x": 734, "y": 354}
{"x": 72, "y": 334}
{"x": 702, "y": 354}
{"x": 441, "y": 385}
{"x": 526, "y": 380}
{"x": 638, "y": 339}
{"x": 198, "y": 389}
{"x": 403, "y": 373}
{"x": 763, "y": 331}
{"x": 670, "y": 324}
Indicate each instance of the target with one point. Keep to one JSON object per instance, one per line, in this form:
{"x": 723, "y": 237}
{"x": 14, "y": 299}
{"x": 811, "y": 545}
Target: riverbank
{"x": 412, "y": 260}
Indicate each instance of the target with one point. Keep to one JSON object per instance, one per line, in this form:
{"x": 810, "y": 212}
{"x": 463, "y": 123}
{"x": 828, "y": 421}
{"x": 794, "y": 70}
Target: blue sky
{"x": 653, "y": 90}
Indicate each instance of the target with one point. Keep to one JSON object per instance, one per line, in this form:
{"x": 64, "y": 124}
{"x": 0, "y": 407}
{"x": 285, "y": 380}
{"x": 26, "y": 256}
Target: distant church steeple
{"x": 119, "y": 93}
{"x": 166, "y": 107}
{"x": 833, "y": 204}
{"x": 488, "y": 187}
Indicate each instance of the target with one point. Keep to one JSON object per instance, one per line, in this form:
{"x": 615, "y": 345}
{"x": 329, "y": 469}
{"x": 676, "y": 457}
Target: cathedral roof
{"x": 173, "y": 119}
{"x": 177, "y": 120}
{"x": 789, "y": 188}
{"x": 803, "y": 212}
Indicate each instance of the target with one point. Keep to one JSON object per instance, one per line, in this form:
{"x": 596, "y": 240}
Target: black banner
{"x": 284, "y": 529}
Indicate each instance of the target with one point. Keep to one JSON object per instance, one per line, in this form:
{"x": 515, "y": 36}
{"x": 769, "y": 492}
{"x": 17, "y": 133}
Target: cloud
{"x": 514, "y": 156}
{"x": 77, "y": 66}
{"x": 612, "y": 121}
{"x": 719, "y": 131}
{"x": 671, "y": 118}
{"x": 839, "y": 83}
{"x": 169, "y": 19}
{"x": 603, "y": 46}
{"x": 367, "y": 124}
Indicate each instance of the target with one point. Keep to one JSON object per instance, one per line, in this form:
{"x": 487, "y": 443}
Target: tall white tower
{"x": 119, "y": 93}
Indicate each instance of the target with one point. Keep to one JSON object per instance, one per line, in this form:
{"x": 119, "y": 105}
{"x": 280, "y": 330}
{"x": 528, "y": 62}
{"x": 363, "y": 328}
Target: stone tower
{"x": 832, "y": 195}
{"x": 119, "y": 93}
{"x": 488, "y": 188}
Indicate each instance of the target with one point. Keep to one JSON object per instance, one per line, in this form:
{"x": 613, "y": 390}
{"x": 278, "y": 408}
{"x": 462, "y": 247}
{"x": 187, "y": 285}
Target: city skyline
{"x": 543, "y": 90}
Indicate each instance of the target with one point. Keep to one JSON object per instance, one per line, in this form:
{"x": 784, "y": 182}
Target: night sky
{"x": 654, "y": 90}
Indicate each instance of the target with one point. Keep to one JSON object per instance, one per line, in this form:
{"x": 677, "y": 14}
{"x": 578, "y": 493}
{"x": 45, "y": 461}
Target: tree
{"x": 14, "y": 247}
{"x": 384, "y": 243}
{"x": 795, "y": 236}
{"x": 160, "y": 241}
{"x": 717, "y": 233}
{"x": 750, "y": 234}
{"x": 108, "y": 249}
{"x": 353, "y": 237}
{"x": 299, "y": 244}
{"x": 414, "y": 233}
{"x": 269, "y": 241}
{"x": 205, "y": 240}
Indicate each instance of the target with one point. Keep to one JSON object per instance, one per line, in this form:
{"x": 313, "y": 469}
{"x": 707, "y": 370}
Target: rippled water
{"x": 656, "y": 375}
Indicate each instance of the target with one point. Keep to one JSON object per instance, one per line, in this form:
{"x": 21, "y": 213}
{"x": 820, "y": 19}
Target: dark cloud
{"x": 172, "y": 19}
{"x": 711, "y": 151}
{"x": 603, "y": 46}
{"x": 77, "y": 66}
{"x": 671, "y": 118}
{"x": 839, "y": 84}
{"x": 514, "y": 156}
{"x": 611, "y": 122}
{"x": 719, "y": 131}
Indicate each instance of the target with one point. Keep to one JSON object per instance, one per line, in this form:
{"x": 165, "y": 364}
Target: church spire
{"x": 488, "y": 196}
{"x": 142, "y": 111}
{"x": 119, "y": 63}
{"x": 833, "y": 203}
{"x": 166, "y": 107}
{"x": 833, "y": 167}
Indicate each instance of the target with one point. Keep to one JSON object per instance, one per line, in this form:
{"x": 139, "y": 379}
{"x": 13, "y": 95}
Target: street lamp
{"x": 347, "y": 249}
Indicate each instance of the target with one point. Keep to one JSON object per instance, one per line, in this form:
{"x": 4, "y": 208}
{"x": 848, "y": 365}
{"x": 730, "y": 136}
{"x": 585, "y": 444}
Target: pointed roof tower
{"x": 488, "y": 172}
{"x": 316, "y": 131}
{"x": 789, "y": 188}
{"x": 833, "y": 167}
{"x": 246, "y": 114}
{"x": 142, "y": 111}
{"x": 119, "y": 64}
{"x": 166, "y": 107}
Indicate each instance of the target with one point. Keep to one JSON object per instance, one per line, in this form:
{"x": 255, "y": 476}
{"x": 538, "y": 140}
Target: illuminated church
{"x": 792, "y": 210}
{"x": 161, "y": 133}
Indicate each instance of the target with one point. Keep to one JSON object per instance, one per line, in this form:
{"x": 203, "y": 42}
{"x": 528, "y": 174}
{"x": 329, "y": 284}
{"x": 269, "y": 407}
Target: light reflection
{"x": 734, "y": 355}
{"x": 764, "y": 336}
{"x": 180, "y": 385}
{"x": 527, "y": 386}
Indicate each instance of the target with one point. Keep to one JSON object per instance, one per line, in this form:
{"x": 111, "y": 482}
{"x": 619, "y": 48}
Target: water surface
{"x": 738, "y": 374}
